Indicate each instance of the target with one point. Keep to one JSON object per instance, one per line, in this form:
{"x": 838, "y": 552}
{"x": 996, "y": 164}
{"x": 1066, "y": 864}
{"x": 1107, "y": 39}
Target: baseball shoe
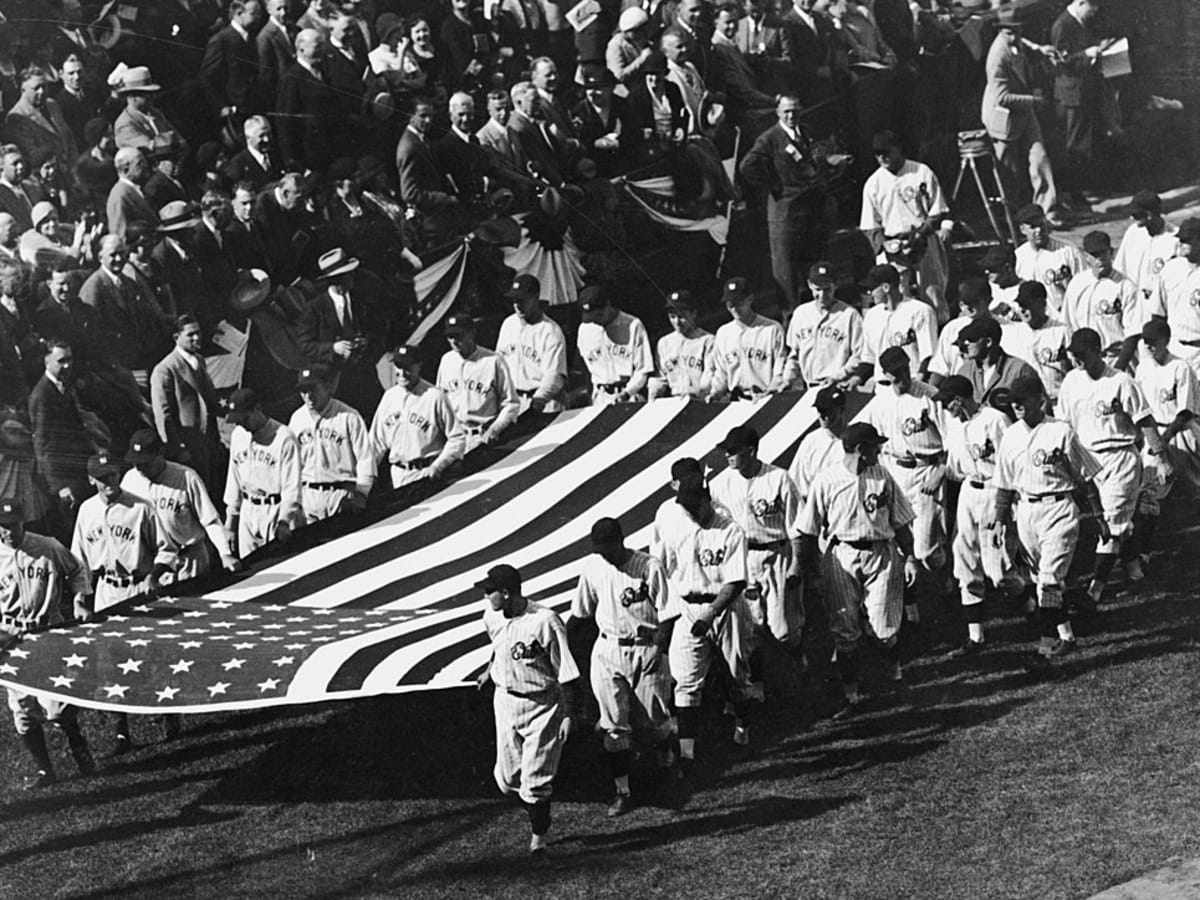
{"x": 892, "y": 673}
{"x": 119, "y": 748}
{"x": 43, "y": 779}
{"x": 537, "y": 845}
{"x": 621, "y": 805}
{"x": 1133, "y": 569}
{"x": 847, "y": 710}
{"x": 1079, "y": 602}
{"x": 84, "y": 762}
{"x": 968, "y": 649}
{"x": 1060, "y": 648}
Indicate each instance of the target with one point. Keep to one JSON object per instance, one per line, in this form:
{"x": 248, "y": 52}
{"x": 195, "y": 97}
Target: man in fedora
{"x": 141, "y": 120}
{"x": 339, "y": 331}
{"x": 127, "y": 200}
{"x": 164, "y": 186}
{"x": 174, "y": 256}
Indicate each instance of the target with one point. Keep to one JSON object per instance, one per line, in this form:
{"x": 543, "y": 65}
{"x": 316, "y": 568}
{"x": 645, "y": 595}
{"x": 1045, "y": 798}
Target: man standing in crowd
{"x": 415, "y": 429}
{"x": 825, "y": 337}
{"x": 61, "y": 445}
{"x": 478, "y": 384}
{"x": 986, "y": 366}
{"x": 685, "y": 353}
{"x": 185, "y": 402}
{"x": 615, "y": 349}
{"x": 750, "y": 354}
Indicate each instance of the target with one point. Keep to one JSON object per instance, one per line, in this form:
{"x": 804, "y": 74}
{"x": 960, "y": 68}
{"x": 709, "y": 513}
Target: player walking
{"x": 534, "y": 347}
{"x": 751, "y": 354}
{"x": 615, "y": 348}
{"x": 415, "y": 428}
{"x": 685, "y": 355}
{"x": 478, "y": 383}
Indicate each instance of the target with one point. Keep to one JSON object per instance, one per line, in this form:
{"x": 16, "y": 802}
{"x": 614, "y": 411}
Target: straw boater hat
{"x": 251, "y": 290}
{"x": 178, "y": 215}
{"x": 336, "y": 262}
{"x": 137, "y": 80}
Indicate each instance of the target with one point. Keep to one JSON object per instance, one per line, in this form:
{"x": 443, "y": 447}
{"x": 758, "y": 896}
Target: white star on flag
{"x": 222, "y": 604}
{"x": 61, "y": 681}
{"x": 219, "y": 688}
{"x": 284, "y": 660}
{"x": 294, "y": 646}
{"x": 269, "y": 685}
{"x": 75, "y": 660}
{"x": 118, "y": 618}
{"x": 82, "y": 640}
{"x": 139, "y": 642}
{"x": 233, "y": 664}
{"x": 193, "y": 614}
{"x": 6, "y": 669}
{"x": 130, "y": 665}
{"x": 167, "y": 693}
{"x": 189, "y": 645}
{"x": 243, "y": 646}
{"x": 274, "y": 607}
{"x": 249, "y": 617}
{"x": 116, "y": 690}
{"x": 184, "y": 665}
{"x": 18, "y": 653}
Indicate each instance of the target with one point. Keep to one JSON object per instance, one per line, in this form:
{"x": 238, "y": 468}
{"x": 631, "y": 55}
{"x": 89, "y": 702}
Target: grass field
{"x": 977, "y": 781}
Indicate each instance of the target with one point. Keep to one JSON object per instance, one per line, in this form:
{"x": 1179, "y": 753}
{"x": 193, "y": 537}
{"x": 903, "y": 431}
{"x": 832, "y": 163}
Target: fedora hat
{"x": 178, "y": 215}
{"x": 335, "y": 262}
{"x": 106, "y": 31}
{"x": 250, "y": 290}
{"x": 166, "y": 145}
{"x": 382, "y": 107}
{"x": 137, "y": 80}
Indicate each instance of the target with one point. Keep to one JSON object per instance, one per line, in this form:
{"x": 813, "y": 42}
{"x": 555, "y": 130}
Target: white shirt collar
{"x": 236, "y": 26}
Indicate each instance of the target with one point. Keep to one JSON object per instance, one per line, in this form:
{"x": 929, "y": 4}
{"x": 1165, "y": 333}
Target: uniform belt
{"x": 859, "y": 544}
{"x": 766, "y": 545}
{"x": 1112, "y": 448}
{"x": 979, "y": 484}
{"x": 612, "y": 387}
{"x": 626, "y": 641}
{"x": 475, "y": 429}
{"x": 415, "y": 464}
{"x": 521, "y": 392}
{"x": 746, "y": 393}
{"x": 699, "y": 598}
{"x": 261, "y": 499}
{"x": 1190, "y": 343}
{"x": 330, "y": 485}
{"x": 1045, "y": 498}
{"x": 120, "y": 581}
{"x": 528, "y": 695}
{"x": 914, "y": 460}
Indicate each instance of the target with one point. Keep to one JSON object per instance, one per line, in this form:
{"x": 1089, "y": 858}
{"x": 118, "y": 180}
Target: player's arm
{"x": 643, "y": 362}
{"x": 554, "y": 373}
{"x": 854, "y": 348}
{"x": 291, "y": 511}
{"x": 452, "y": 449}
{"x": 510, "y": 405}
{"x": 734, "y": 570}
{"x": 779, "y": 351}
{"x": 232, "y": 497}
{"x": 364, "y": 454}
{"x": 210, "y": 521}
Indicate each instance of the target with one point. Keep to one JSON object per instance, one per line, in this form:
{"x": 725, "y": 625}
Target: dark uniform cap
{"x": 312, "y": 375}
{"x": 692, "y": 492}
{"x": 997, "y": 258}
{"x": 501, "y": 578}
{"x": 524, "y": 287}
{"x": 242, "y": 400}
{"x": 1155, "y": 329}
{"x": 406, "y": 355}
{"x": 821, "y": 273}
{"x": 883, "y": 274}
{"x": 893, "y": 359}
{"x": 1189, "y": 231}
{"x": 460, "y": 323}
{"x": 1095, "y": 242}
{"x": 735, "y": 291}
{"x": 829, "y": 398}
{"x": 144, "y": 446}
{"x": 1029, "y": 213}
{"x": 1145, "y": 202}
{"x": 103, "y": 465}
{"x": 1085, "y": 339}
{"x": 607, "y": 532}
{"x": 953, "y": 387}
{"x": 11, "y": 512}
{"x": 688, "y": 465}
{"x": 740, "y": 437}
{"x": 1024, "y": 389}
{"x": 859, "y": 433}
{"x": 979, "y": 328}
{"x": 1029, "y": 291}
{"x": 592, "y": 299}
{"x": 681, "y": 301}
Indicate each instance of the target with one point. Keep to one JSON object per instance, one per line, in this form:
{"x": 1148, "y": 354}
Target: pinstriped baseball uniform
{"x": 749, "y": 359}
{"x": 629, "y": 675}
{"x": 614, "y": 354}
{"x": 1043, "y": 348}
{"x": 336, "y": 457}
{"x": 819, "y": 450}
{"x": 686, "y": 363}
{"x": 414, "y": 430}
{"x": 185, "y": 515}
{"x": 948, "y": 357}
{"x": 1037, "y": 463}
{"x": 1142, "y": 257}
{"x": 859, "y": 513}
{"x": 1103, "y": 412}
{"x": 536, "y": 355}
{"x": 1100, "y": 304}
{"x": 766, "y": 506}
{"x": 824, "y": 343}
{"x": 979, "y": 553}
{"x": 120, "y": 544}
{"x": 481, "y": 393}
{"x": 262, "y": 487}
{"x": 1169, "y": 389}
{"x": 912, "y": 424}
{"x": 530, "y": 659}
{"x": 1053, "y": 265}
{"x": 1178, "y": 299}
{"x": 699, "y": 560}
{"x": 911, "y": 326}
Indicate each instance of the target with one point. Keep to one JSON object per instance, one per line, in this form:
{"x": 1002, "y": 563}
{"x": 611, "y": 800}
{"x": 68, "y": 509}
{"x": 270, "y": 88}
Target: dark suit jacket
{"x": 422, "y": 183}
{"x": 1073, "y": 79}
{"x": 36, "y": 130}
{"x": 591, "y": 127}
{"x": 185, "y": 408}
{"x": 161, "y": 190}
{"x": 531, "y": 146}
{"x": 127, "y": 322}
{"x": 247, "y": 246}
{"x": 15, "y": 205}
{"x": 641, "y": 108}
{"x": 228, "y": 71}
{"x": 77, "y": 111}
{"x": 346, "y": 77}
{"x": 126, "y": 204}
{"x": 808, "y": 50}
{"x": 287, "y": 237}
{"x": 72, "y": 323}
{"x": 772, "y": 37}
{"x": 779, "y": 166}
{"x": 244, "y": 167}
{"x": 309, "y": 112}
{"x": 218, "y": 273}
{"x": 275, "y": 56}
{"x": 61, "y": 445}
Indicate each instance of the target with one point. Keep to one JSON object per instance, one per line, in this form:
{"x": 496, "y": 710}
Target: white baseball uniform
{"x": 629, "y": 674}
{"x": 749, "y": 360}
{"x": 911, "y": 326}
{"x": 617, "y": 356}
{"x": 1041, "y": 464}
{"x": 1142, "y": 256}
{"x": 336, "y": 457}
{"x": 859, "y": 514}
{"x": 818, "y": 450}
{"x": 481, "y": 392}
{"x": 119, "y": 543}
{"x": 1170, "y": 389}
{"x": 765, "y": 506}
{"x": 948, "y": 357}
{"x": 415, "y": 430}
{"x": 186, "y": 514}
{"x": 536, "y": 355}
{"x": 263, "y": 485}
{"x": 1178, "y": 299}
{"x": 530, "y": 659}
{"x": 686, "y": 363}
{"x": 1043, "y": 348}
{"x": 897, "y": 202}
{"x": 1004, "y": 306}
{"x": 699, "y": 560}
{"x": 1100, "y": 304}
{"x": 1053, "y": 265}
{"x": 824, "y": 343}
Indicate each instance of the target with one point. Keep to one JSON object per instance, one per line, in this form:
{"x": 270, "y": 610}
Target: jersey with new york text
{"x": 334, "y": 445}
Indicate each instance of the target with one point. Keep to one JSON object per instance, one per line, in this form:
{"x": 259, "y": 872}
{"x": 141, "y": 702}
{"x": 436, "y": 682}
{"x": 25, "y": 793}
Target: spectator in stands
{"x": 79, "y": 101}
{"x": 307, "y": 107}
{"x": 185, "y": 403}
{"x": 35, "y": 122}
{"x": 141, "y": 120}
{"x": 629, "y": 48}
{"x": 126, "y": 201}
{"x": 61, "y": 444}
{"x": 255, "y": 162}
{"x": 64, "y": 317}
{"x": 494, "y": 134}
{"x": 422, "y": 182}
{"x": 535, "y": 153}
{"x": 14, "y": 199}
{"x": 94, "y": 171}
{"x": 285, "y": 227}
{"x": 275, "y": 51}
{"x": 246, "y": 241}
{"x": 163, "y": 185}
{"x": 9, "y": 237}
{"x": 174, "y": 259}
{"x": 145, "y": 271}
{"x": 731, "y": 69}
{"x": 43, "y": 246}
{"x": 760, "y": 38}
{"x": 228, "y": 71}
{"x": 217, "y": 268}
{"x": 606, "y": 131}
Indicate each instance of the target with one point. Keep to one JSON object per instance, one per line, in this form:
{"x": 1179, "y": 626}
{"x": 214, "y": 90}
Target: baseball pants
{"x": 527, "y": 743}
{"x": 773, "y": 606}
{"x": 980, "y": 554}
{"x": 256, "y": 526}
{"x": 108, "y": 594}
{"x": 29, "y": 710}
{"x": 632, "y": 686}
{"x": 1184, "y": 453}
{"x": 402, "y": 476}
{"x": 322, "y": 504}
{"x": 929, "y": 527}
{"x": 870, "y": 580}
{"x": 1048, "y": 531}
{"x": 1119, "y": 483}
{"x": 731, "y": 634}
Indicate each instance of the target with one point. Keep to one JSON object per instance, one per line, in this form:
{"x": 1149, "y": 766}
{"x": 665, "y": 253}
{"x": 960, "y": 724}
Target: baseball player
{"x": 337, "y": 459}
{"x": 262, "y": 485}
{"x": 1044, "y": 258}
{"x": 1178, "y": 295}
{"x": 1107, "y": 409}
{"x": 704, "y": 555}
{"x": 896, "y": 321}
{"x": 1041, "y": 461}
{"x": 999, "y": 265}
{"x": 763, "y": 501}
{"x": 535, "y": 678}
{"x": 903, "y": 412}
{"x": 1173, "y": 395}
{"x": 624, "y": 591}
{"x": 822, "y": 447}
{"x": 1039, "y": 339}
{"x": 185, "y": 512}
{"x": 751, "y": 354}
{"x": 858, "y": 508}
{"x": 415, "y": 428}
{"x": 974, "y": 296}
{"x": 685, "y": 355}
{"x": 534, "y": 347}
{"x": 1100, "y": 297}
{"x": 825, "y": 337}
{"x": 615, "y": 348}
{"x": 478, "y": 384}
{"x": 669, "y": 515}
{"x": 1147, "y": 246}
{"x": 973, "y": 436}
{"x": 37, "y": 576}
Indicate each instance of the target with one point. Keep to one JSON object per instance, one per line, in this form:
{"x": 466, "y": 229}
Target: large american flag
{"x": 392, "y": 607}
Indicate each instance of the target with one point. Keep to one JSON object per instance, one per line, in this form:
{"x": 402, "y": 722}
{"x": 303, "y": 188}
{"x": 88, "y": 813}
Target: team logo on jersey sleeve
{"x": 632, "y": 595}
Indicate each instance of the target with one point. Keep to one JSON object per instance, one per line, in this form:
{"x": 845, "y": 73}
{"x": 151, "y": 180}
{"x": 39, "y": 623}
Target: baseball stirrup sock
{"x": 539, "y": 816}
{"x": 35, "y": 742}
{"x": 619, "y": 765}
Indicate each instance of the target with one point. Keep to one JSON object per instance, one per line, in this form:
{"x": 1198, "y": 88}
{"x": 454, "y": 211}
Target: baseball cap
{"x": 144, "y": 446}
{"x": 974, "y": 293}
{"x": 1085, "y": 339}
{"x": 882, "y": 274}
{"x": 1028, "y": 291}
{"x": 1024, "y": 389}
{"x": 685, "y": 467}
{"x": 1156, "y": 329}
{"x": 692, "y": 492}
{"x": 11, "y": 512}
{"x": 103, "y": 465}
{"x": 607, "y": 532}
{"x": 311, "y": 375}
{"x": 1029, "y": 213}
{"x": 1095, "y": 242}
{"x": 979, "y": 328}
{"x": 592, "y": 299}
{"x": 829, "y": 398}
{"x": 681, "y": 301}
{"x": 524, "y": 287}
{"x": 821, "y": 273}
{"x": 740, "y": 437}
{"x": 406, "y": 355}
{"x": 460, "y": 323}
{"x": 1189, "y": 231}
{"x": 501, "y": 578}
{"x": 1145, "y": 202}
{"x": 953, "y": 387}
{"x": 997, "y": 258}
{"x": 736, "y": 290}
{"x": 859, "y": 433}
{"x": 241, "y": 401}
{"x": 893, "y": 359}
